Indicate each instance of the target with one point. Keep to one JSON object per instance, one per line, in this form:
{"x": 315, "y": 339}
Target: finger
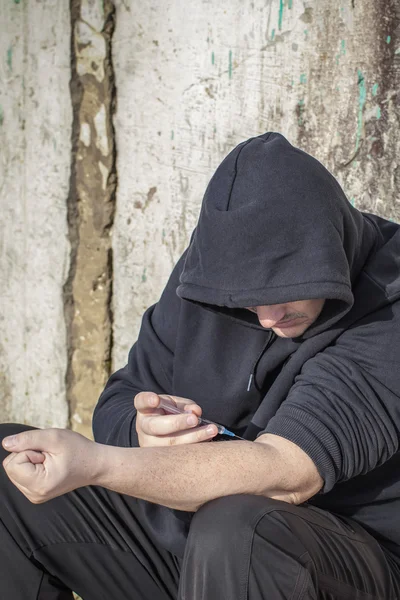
{"x": 194, "y": 436}
{"x": 146, "y": 401}
{"x": 34, "y": 439}
{"x": 167, "y": 424}
{"x": 183, "y": 403}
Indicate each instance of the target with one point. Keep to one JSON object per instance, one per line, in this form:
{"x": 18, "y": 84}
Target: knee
{"x": 10, "y": 429}
{"x": 229, "y": 520}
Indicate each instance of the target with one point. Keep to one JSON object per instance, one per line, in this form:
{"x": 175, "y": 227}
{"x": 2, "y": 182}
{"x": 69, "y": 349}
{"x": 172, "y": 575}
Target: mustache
{"x": 293, "y": 316}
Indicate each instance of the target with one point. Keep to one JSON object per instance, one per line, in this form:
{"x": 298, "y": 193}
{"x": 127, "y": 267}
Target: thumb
{"x": 35, "y": 439}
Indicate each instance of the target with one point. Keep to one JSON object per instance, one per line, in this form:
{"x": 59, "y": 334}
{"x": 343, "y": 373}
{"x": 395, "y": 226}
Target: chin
{"x": 290, "y": 332}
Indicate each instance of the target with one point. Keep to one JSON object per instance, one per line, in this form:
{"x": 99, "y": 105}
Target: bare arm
{"x": 185, "y": 477}
{"x": 47, "y": 463}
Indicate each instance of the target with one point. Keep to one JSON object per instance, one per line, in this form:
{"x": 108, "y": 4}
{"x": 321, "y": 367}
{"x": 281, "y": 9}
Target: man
{"x": 282, "y": 322}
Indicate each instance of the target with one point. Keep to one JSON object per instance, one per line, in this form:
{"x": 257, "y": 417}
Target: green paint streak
{"x": 388, "y": 39}
{"x": 230, "y": 64}
{"x": 375, "y": 89}
{"x": 290, "y": 4}
{"x": 172, "y": 134}
{"x": 352, "y": 201}
{"x": 338, "y": 88}
{"x": 9, "y": 57}
{"x": 303, "y": 78}
{"x": 378, "y": 112}
{"x": 272, "y": 35}
{"x": 301, "y": 102}
{"x": 17, "y": 1}
{"x": 343, "y": 47}
{"x": 163, "y": 233}
{"x": 306, "y": 33}
{"x": 280, "y": 18}
{"x": 144, "y": 277}
{"x": 212, "y": 58}
{"x": 1, "y": 116}
{"x": 362, "y": 97}
{"x": 337, "y": 58}
{"x": 397, "y": 51}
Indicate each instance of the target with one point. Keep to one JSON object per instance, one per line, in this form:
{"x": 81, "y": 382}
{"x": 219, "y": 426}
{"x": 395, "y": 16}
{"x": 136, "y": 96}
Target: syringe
{"x": 171, "y": 408}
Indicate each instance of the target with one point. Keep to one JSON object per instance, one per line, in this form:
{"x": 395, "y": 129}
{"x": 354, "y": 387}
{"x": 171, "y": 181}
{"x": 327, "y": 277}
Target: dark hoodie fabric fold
{"x": 276, "y": 227}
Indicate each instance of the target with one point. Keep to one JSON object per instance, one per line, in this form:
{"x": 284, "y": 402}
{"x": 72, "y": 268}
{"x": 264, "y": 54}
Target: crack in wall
{"x": 91, "y": 208}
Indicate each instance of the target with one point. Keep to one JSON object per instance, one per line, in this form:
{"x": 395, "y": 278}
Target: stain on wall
{"x": 91, "y": 205}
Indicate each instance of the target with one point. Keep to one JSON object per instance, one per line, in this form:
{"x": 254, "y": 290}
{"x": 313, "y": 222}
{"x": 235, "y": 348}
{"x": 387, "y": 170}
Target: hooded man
{"x": 281, "y": 321}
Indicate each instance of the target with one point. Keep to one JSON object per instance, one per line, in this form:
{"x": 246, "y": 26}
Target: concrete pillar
{"x": 35, "y": 132}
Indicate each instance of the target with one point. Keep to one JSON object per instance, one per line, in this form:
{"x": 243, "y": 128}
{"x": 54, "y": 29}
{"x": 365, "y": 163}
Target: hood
{"x": 275, "y": 226}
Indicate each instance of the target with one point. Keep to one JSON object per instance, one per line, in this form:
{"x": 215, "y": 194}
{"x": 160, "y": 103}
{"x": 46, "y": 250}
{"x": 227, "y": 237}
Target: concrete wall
{"x": 35, "y": 132}
{"x": 81, "y": 260}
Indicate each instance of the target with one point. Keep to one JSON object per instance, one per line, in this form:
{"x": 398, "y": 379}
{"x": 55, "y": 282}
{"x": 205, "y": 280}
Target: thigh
{"x": 339, "y": 560}
{"x": 92, "y": 540}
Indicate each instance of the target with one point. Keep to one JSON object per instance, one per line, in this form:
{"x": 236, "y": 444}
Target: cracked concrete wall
{"x": 193, "y": 79}
{"x": 196, "y": 78}
{"x": 90, "y": 209}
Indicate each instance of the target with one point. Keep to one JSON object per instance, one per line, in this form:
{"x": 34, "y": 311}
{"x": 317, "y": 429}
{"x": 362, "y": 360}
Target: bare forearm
{"x": 185, "y": 477}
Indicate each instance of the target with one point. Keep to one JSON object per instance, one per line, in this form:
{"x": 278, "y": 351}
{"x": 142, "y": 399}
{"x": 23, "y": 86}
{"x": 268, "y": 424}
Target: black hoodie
{"x": 276, "y": 227}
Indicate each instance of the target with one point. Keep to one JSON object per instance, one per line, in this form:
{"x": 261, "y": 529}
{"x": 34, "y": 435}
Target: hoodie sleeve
{"x": 149, "y": 368}
{"x": 343, "y": 409}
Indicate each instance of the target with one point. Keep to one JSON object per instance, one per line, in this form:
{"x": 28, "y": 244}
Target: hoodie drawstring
{"x": 255, "y": 365}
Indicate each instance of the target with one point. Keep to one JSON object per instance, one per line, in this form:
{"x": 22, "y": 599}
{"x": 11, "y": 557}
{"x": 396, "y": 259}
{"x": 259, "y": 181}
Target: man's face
{"x": 289, "y": 320}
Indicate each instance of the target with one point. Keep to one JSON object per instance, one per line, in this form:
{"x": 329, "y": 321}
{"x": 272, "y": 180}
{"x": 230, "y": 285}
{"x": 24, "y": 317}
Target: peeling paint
{"x": 362, "y": 97}
{"x": 375, "y": 89}
{"x": 9, "y": 57}
{"x": 378, "y": 112}
{"x": 144, "y": 276}
{"x": 100, "y": 123}
{"x": 212, "y": 58}
{"x": 290, "y": 4}
{"x": 104, "y": 175}
{"x": 272, "y": 35}
{"x": 280, "y": 17}
{"x": 303, "y": 78}
{"x": 230, "y": 64}
{"x": 85, "y": 134}
{"x": 1, "y": 116}
{"x": 172, "y": 134}
{"x": 388, "y": 39}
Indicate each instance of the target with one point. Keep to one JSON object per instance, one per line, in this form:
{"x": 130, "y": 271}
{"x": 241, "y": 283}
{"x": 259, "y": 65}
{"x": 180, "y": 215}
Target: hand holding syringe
{"x": 172, "y": 409}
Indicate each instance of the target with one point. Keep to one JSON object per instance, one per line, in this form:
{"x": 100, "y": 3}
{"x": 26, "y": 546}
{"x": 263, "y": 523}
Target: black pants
{"x": 239, "y": 547}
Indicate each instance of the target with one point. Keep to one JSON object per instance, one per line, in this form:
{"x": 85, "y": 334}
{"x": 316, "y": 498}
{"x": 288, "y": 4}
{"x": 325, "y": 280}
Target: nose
{"x": 268, "y": 316}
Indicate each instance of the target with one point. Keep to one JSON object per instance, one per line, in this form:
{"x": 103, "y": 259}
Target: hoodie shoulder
{"x": 384, "y": 265}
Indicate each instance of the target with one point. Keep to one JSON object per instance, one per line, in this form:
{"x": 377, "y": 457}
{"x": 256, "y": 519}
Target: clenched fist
{"x": 45, "y": 463}
{"x": 156, "y": 428}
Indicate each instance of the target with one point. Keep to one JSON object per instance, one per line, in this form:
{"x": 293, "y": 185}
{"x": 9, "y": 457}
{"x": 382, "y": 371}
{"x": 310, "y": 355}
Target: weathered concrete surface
{"x": 195, "y": 79}
{"x": 90, "y": 210}
{"x": 35, "y": 130}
